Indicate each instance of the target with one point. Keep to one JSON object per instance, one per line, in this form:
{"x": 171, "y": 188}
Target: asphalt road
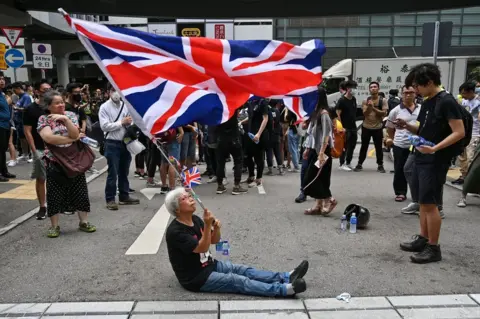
{"x": 268, "y": 231}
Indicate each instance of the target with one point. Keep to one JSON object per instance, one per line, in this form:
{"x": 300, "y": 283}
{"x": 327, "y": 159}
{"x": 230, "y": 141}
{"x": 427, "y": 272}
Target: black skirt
{"x": 318, "y": 187}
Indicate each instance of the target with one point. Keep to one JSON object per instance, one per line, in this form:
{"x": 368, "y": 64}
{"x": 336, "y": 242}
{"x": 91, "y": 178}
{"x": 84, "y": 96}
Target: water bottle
{"x": 219, "y": 250}
{"x": 226, "y": 250}
{"x": 251, "y": 135}
{"x": 89, "y": 141}
{"x": 343, "y": 223}
{"x": 419, "y": 141}
{"x": 353, "y": 224}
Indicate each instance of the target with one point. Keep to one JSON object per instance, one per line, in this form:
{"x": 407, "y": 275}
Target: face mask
{"x": 353, "y": 91}
{"x": 115, "y": 96}
{"x": 77, "y": 98}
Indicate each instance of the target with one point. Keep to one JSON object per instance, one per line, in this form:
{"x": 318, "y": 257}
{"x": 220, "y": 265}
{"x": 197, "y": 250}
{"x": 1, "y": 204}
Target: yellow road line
{"x": 25, "y": 191}
{"x": 18, "y": 181}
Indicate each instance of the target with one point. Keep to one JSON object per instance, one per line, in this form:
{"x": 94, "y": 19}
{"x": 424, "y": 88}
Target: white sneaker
{"x": 225, "y": 182}
{"x": 212, "y": 180}
{"x": 412, "y": 208}
{"x": 462, "y": 202}
{"x": 20, "y": 158}
{"x": 345, "y": 168}
{"x": 30, "y": 160}
{"x": 12, "y": 163}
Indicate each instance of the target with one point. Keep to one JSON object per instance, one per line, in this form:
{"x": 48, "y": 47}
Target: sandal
{"x": 400, "y": 198}
{"x": 87, "y": 227}
{"x": 333, "y": 203}
{"x": 313, "y": 211}
{"x": 53, "y": 232}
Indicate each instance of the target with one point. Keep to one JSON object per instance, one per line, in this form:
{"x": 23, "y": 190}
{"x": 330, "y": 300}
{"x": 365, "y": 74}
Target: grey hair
{"x": 49, "y": 96}
{"x": 172, "y": 200}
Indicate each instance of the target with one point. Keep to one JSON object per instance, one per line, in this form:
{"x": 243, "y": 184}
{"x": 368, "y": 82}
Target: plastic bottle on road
{"x": 226, "y": 250}
{"x": 89, "y": 141}
{"x": 219, "y": 250}
{"x": 353, "y": 224}
{"x": 343, "y": 223}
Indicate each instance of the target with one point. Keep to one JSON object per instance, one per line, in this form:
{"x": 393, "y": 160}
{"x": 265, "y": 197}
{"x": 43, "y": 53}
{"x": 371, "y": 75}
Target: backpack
{"x": 392, "y": 103}
{"x": 467, "y": 124}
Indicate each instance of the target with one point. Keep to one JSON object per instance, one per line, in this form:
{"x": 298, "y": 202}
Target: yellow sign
{"x": 3, "y": 64}
{"x": 191, "y": 32}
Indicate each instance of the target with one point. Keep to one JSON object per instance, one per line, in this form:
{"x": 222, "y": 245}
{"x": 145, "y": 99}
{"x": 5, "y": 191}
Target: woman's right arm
{"x": 50, "y": 138}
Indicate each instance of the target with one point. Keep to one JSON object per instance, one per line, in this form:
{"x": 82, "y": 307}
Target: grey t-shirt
{"x": 401, "y": 138}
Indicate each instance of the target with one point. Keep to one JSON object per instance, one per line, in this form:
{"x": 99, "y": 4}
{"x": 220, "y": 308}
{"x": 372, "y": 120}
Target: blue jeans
{"x": 188, "y": 147}
{"x": 118, "y": 160}
{"x": 293, "y": 140}
{"x": 230, "y": 278}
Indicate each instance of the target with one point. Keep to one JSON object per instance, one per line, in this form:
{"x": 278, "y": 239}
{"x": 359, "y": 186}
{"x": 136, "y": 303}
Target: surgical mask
{"x": 353, "y": 91}
{"x": 115, "y": 96}
{"x": 77, "y": 98}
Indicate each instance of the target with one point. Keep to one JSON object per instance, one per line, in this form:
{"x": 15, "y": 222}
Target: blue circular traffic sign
{"x": 14, "y": 58}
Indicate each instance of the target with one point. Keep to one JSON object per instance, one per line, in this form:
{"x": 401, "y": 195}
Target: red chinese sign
{"x": 219, "y": 31}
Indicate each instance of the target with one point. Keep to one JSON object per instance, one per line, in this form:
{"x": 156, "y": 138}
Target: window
{"x": 404, "y": 31}
{"x": 404, "y": 19}
{"x": 281, "y": 22}
{"x": 455, "y": 18}
{"x": 296, "y": 41}
{"x": 471, "y": 18}
{"x": 312, "y": 33}
{"x": 290, "y": 32}
{"x": 424, "y": 18}
{"x": 455, "y": 41}
{"x": 404, "y": 42}
{"x": 470, "y": 31}
{"x": 419, "y": 31}
{"x": 358, "y": 32}
{"x": 381, "y": 20}
{"x": 454, "y": 11}
{"x": 456, "y": 30}
{"x": 380, "y": 42}
{"x": 334, "y": 42}
{"x": 471, "y": 10}
{"x": 467, "y": 41}
{"x": 335, "y": 32}
{"x": 382, "y": 32}
{"x": 358, "y": 42}
{"x": 364, "y": 20}
{"x": 418, "y": 42}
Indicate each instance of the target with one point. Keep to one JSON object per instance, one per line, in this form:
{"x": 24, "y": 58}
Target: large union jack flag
{"x": 171, "y": 81}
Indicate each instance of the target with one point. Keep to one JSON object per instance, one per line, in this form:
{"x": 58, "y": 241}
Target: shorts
{"x": 39, "y": 170}
{"x": 188, "y": 147}
{"x": 428, "y": 177}
{"x": 173, "y": 149}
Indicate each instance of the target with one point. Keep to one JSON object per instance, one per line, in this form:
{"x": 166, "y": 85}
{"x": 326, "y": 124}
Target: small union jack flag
{"x": 191, "y": 177}
{"x": 167, "y": 81}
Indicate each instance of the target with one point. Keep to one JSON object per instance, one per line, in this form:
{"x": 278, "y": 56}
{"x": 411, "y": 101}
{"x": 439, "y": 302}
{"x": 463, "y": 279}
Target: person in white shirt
{"x": 471, "y": 102}
{"x": 114, "y": 118}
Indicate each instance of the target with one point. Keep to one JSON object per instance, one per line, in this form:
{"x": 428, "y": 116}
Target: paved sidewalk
{"x": 412, "y": 307}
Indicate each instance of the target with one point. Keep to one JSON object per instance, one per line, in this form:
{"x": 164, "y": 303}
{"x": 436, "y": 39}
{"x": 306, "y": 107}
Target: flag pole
{"x": 179, "y": 175}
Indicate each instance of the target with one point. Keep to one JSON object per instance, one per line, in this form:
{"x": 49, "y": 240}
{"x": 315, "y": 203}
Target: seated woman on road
{"x": 188, "y": 241}
{"x": 318, "y": 147}
{"x": 64, "y": 194}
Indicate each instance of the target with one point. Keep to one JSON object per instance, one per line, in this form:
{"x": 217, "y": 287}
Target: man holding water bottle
{"x": 188, "y": 242}
{"x": 439, "y": 122}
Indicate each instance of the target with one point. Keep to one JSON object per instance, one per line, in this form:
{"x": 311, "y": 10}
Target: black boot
{"x": 430, "y": 254}
{"x": 416, "y": 245}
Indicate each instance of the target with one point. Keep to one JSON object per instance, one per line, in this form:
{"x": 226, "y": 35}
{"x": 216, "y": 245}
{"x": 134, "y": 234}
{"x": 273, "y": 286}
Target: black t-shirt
{"x": 277, "y": 128}
{"x": 256, "y": 111}
{"x": 229, "y": 128}
{"x": 433, "y": 118}
{"x": 30, "y": 118}
{"x": 349, "y": 112}
{"x": 77, "y": 110}
{"x": 192, "y": 269}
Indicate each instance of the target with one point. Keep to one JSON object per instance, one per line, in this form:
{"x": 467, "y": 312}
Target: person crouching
{"x": 188, "y": 242}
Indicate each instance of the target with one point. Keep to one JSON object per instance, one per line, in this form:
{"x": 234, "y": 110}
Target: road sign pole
{"x": 43, "y": 73}
{"x": 14, "y": 75}
{"x": 435, "y": 42}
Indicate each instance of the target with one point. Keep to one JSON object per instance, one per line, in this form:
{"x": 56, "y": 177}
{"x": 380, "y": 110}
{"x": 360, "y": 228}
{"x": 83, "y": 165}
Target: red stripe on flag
{"x": 182, "y": 95}
{"x": 277, "y": 55}
{"x": 296, "y": 106}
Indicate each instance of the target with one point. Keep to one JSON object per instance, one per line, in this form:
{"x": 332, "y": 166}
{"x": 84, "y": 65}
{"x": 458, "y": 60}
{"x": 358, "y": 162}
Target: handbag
{"x": 75, "y": 159}
{"x": 102, "y": 144}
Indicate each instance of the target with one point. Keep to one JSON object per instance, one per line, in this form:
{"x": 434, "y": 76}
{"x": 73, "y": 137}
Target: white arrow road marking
{"x": 10, "y": 58}
{"x": 151, "y": 237}
{"x": 150, "y": 192}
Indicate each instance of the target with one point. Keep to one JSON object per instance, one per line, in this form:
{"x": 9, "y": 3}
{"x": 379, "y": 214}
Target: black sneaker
{"x": 416, "y": 245}
{"x": 299, "y": 285}
{"x": 129, "y": 201}
{"x": 164, "y": 189}
{"x": 358, "y": 168}
{"x": 430, "y": 254}
{"x": 221, "y": 189}
{"x": 42, "y": 213}
{"x": 299, "y": 271}
{"x": 9, "y": 175}
{"x": 269, "y": 172}
{"x": 238, "y": 190}
{"x": 301, "y": 198}
{"x": 381, "y": 169}
{"x": 458, "y": 181}
{"x": 131, "y": 191}
{"x": 137, "y": 174}
{"x": 3, "y": 179}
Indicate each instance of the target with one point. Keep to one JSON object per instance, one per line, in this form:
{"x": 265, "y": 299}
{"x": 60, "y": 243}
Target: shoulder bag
{"x": 75, "y": 159}
{"x": 102, "y": 144}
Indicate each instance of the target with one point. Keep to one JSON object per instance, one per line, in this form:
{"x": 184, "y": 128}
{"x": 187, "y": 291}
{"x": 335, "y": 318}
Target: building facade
{"x": 375, "y": 36}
